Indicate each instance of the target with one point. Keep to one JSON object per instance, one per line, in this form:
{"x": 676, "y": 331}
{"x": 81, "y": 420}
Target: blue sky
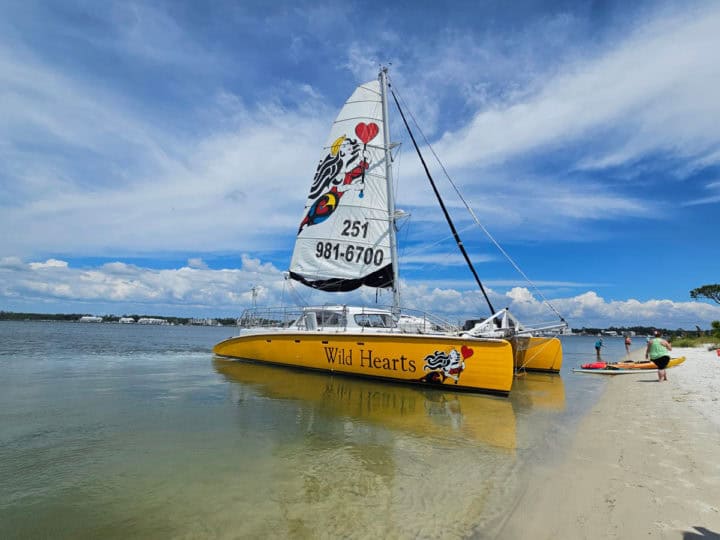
{"x": 155, "y": 156}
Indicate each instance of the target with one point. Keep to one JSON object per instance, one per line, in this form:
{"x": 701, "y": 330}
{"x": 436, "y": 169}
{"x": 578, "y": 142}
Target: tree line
{"x": 71, "y": 317}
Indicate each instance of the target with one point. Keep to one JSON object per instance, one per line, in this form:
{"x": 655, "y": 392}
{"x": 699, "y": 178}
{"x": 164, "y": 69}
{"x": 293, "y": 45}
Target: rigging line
{"x": 396, "y": 173}
{"x": 442, "y": 205}
{"x": 426, "y": 245}
{"x": 409, "y": 252}
{"x": 477, "y": 221}
{"x": 299, "y": 299}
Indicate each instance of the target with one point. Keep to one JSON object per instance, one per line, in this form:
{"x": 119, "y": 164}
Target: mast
{"x": 390, "y": 194}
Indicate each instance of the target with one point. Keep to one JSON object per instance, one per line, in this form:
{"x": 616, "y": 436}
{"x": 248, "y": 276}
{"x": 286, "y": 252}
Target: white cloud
{"x": 222, "y": 186}
{"x": 243, "y": 180}
{"x": 11, "y": 263}
{"x": 151, "y": 34}
{"x": 119, "y": 282}
{"x": 187, "y": 290}
{"x": 652, "y": 94}
{"x": 595, "y": 311}
{"x": 713, "y": 188}
{"x": 50, "y": 263}
{"x": 198, "y": 263}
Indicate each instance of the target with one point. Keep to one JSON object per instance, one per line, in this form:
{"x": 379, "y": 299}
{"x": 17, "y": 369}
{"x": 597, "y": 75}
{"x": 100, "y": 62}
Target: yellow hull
{"x": 456, "y": 363}
{"x": 537, "y": 354}
{"x": 404, "y": 408}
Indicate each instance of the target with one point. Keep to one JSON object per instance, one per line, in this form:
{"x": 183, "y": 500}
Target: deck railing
{"x": 336, "y": 318}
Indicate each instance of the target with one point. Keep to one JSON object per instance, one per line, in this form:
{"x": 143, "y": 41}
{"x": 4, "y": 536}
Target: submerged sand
{"x": 645, "y": 462}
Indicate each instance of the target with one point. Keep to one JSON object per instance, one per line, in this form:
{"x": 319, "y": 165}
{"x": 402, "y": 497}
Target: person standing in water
{"x": 658, "y": 352}
{"x": 628, "y": 342}
{"x": 598, "y": 346}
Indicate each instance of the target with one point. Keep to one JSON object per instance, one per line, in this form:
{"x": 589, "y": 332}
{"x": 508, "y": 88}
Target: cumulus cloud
{"x": 117, "y": 282}
{"x": 226, "y": 292}
{"x": 50, "y": 263}
{"x": 197, "y": 262}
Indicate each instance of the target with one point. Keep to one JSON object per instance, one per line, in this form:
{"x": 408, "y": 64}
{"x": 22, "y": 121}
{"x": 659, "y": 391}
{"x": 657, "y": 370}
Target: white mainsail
{"x": 343, "y": 240}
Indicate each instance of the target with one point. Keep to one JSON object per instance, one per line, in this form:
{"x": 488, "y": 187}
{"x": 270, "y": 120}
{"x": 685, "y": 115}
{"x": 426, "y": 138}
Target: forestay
{"x": 343, "y": 240}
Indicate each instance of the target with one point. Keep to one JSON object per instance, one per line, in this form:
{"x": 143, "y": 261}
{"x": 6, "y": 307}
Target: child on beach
{"x": 658, "y": 351}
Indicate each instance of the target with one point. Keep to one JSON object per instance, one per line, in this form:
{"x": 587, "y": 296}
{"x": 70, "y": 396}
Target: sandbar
{"x": 644, "y": 462}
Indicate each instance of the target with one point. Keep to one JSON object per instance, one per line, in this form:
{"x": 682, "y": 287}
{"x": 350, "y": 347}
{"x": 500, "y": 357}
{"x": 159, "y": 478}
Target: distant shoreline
{"x": 115, "y": 319}
{"x": 605, "y": 333}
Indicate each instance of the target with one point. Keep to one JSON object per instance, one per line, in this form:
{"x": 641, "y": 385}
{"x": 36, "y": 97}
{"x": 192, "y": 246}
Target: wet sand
{"x": 645, "y": 462}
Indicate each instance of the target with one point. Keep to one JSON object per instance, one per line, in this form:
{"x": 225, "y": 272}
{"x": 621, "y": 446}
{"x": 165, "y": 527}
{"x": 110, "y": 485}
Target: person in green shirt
{"x": 658, "y": 352}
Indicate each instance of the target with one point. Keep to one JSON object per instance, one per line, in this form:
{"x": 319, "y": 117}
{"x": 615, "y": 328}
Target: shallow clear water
{"x": 119, "y": 431}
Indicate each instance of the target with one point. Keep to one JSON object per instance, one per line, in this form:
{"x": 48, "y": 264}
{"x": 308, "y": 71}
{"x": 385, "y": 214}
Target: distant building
{"x": 126, "y": 320}
{"x": 204, "y": 322}
{"x": 89, "y": 318}
{"x": 151, "y": 320}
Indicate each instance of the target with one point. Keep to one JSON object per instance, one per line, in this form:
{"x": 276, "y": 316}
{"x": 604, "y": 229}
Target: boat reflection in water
{"x": 409, "y": 409}
{"x": 540, "y": 391}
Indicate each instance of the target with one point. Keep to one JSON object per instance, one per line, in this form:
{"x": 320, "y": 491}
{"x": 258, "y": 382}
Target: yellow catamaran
{"x": 346, "y": 240}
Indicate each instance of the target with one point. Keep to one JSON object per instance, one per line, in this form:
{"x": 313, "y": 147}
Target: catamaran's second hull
{"x": 537, "y": 353}
{"x": 483, "y": 365}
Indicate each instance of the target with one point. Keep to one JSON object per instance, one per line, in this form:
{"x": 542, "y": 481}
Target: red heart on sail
{"x": 466, "y": 352}
{"x": 366, "y": 132}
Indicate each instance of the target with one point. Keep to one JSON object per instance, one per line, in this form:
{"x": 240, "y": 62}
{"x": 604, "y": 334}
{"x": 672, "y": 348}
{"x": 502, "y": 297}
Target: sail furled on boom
{"x": 343, "y": 239}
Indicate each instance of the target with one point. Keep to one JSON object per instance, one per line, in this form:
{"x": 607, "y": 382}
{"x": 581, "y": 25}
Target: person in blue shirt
{"x": 598, "y": 346}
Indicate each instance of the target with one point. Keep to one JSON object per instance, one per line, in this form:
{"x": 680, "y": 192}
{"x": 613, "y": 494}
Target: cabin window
{"x": 330, "y": 318}
{"x": 374, "y": 320}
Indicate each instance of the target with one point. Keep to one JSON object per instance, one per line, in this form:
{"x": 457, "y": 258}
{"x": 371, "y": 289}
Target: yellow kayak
{"x": 620, "y": 368}
{"x": 644, "y": 365}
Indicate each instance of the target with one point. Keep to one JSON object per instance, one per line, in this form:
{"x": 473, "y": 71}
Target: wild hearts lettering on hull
{"x": 436, "y": 367}
{"x": 341, "y": 170}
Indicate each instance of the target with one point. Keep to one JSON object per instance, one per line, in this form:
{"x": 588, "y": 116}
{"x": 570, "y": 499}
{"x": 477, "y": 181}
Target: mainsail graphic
{"x": 343, "y": 239}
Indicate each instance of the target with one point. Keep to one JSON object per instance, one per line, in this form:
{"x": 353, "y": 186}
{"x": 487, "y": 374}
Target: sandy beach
{"x": 645, "y": 462}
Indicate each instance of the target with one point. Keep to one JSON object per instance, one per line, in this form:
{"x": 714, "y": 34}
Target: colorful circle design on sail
{"x": 322, "y": 208}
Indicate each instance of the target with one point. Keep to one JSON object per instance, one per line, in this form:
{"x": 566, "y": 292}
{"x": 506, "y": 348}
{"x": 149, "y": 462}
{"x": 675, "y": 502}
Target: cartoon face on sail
{"x": 342, "y": 169}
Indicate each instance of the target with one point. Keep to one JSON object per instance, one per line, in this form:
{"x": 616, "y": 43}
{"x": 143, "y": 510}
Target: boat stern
{"x": 533, "y": 353}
